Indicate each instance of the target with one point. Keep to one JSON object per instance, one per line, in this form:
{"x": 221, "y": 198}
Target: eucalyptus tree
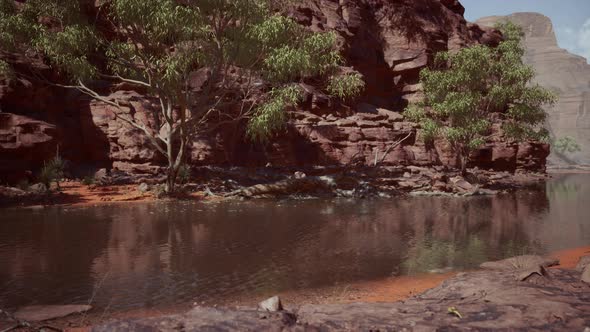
{"x": 247, "y": 56}
{"x": 465, "y": 90}
{"x": 566, "y": 144}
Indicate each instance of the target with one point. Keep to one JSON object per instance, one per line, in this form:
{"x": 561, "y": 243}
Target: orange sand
{"x": 568, "y": 258}
{"x": 76, "y": 193}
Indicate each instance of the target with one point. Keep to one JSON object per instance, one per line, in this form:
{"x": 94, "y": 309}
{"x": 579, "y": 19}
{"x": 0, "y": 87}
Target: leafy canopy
{"x": 158, "y": 43}
{"x": 464, "y": 89}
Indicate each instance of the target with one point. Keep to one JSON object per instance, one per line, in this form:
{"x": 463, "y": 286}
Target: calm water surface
{"x": 142, "y": 255}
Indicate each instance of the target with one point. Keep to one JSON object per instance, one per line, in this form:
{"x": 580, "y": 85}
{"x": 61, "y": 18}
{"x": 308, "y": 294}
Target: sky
{"x": 571, "y": 18}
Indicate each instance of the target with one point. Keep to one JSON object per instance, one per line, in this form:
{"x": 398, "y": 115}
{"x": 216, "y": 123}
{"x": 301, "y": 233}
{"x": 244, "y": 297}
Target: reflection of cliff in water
{"x": 567, "y": 221}
{"x": 155, "y": 254}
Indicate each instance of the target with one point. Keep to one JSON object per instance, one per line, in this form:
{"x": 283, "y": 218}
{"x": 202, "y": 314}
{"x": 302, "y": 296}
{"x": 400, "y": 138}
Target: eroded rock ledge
{"x": 546, "y": 299}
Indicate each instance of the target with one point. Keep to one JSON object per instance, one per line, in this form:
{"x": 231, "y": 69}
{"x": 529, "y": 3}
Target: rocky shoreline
{"x": 519, "y": 293}
{"x": 269, "y": 182}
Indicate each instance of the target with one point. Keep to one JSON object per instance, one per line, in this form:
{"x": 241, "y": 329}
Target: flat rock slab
{"x": 37, "y": 313}
{"x": 486, "y": 301}
{"x": 520, "y": 263}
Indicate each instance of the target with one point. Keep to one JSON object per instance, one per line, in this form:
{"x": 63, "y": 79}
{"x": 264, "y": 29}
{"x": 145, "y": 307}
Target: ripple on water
{"x": 152, "y": 254}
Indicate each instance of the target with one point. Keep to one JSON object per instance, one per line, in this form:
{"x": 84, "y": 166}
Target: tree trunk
{"x": 171, "y": 179}
{"x": 463, "y": 166}
{"x": 464, "y": 159}
{"x": 171, "y": 173}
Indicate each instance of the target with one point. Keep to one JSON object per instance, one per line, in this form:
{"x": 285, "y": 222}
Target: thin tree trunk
{"x": 464, "y": 159}
{"x": 463, "y": 166}
{"x": 171, "y": 173}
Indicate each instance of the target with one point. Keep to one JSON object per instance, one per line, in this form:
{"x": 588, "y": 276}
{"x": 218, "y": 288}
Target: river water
{"x": 154, "y": 254}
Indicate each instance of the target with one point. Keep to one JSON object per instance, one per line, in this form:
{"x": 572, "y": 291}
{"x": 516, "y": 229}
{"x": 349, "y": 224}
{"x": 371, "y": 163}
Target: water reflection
{"x": 157, "y": 254}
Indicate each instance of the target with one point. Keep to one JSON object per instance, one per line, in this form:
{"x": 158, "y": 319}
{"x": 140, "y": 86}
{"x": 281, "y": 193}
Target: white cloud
{"x": 576, "y": 41}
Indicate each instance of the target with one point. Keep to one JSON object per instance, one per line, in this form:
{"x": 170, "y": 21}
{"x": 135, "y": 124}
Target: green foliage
{"x": 427, "y": 254}
{"x": 5, "y": 70}
{"x": 566, "y": 144}
{"x": 346, "y": 86}
{"x": 88, "y": 180}
{"x": 184, "y": 174}
{"x": 161, "y": 47}
{"x": 159, "y": 44}
{"x": 52, "y": 171}
{"x": 270, "y": 116}
{"x": 463, "y": 89}
{"x": 512, "y": 248}
{"x": 68, "y": 49}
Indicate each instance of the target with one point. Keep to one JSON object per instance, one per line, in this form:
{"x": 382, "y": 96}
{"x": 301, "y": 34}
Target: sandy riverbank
{"x": 74, "y": 193}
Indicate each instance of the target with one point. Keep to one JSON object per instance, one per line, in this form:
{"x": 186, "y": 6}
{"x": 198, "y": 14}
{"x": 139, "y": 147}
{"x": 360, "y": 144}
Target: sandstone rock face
{"x": 24, "y": 143}
{"x": 387, "y": 41}
{"x": 565, "y": 73}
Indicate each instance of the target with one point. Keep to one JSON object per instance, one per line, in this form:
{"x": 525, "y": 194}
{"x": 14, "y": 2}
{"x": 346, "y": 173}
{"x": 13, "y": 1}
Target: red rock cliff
{"x": 388, "y": 41}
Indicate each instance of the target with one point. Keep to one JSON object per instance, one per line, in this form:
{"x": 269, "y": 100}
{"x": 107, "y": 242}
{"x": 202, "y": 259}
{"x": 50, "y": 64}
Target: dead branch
{"x": 391, "y": 147}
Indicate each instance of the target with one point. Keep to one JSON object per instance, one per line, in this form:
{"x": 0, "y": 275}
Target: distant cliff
{"x": 563, "y": 72}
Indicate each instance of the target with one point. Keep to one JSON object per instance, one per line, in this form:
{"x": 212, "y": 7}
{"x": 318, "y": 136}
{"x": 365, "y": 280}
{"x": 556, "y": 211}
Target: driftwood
{"x": 283, "y": 187}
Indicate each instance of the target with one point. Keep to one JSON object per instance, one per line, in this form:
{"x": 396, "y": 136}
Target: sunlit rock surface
{"x": 563, "y": 72}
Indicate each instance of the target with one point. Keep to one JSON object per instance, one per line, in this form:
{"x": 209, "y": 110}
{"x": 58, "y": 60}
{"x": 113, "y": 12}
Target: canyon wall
{"x": 565, "y": 73}
{"x": 387, "y": 41}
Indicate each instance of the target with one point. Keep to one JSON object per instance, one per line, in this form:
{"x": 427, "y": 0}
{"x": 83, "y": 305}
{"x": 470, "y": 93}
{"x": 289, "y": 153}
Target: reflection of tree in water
{"x": 50, "y": 252}
{"x": 431, "y": 255}
{"x": 463, "y": 233}
{"x": 163, "y": 253}
{"x": 563, "y": 189}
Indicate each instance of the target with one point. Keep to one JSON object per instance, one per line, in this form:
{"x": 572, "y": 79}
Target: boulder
{"x": 143, "y": 187}
{"x": 101, "y": 176}
{"x": 38, "y": 188}
{"x": 299, "y": 175}
{"x": 11, "y": 192}
{"x": 462, "y": 184}
{"x": 586, "y": 274}
{"x": 272, "y": 304}
{"x": 584, "y": 261}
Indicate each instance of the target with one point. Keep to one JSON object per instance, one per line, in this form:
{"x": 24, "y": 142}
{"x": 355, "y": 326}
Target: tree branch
{"x": 127, "y": 80}
{"x": 391, "y": 147}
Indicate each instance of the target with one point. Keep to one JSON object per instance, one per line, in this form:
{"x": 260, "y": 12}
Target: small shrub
{"x": 184, "y": 174}
{"x": 88, "y": 180}
{"x": 23, "y": 185}
{"x": 159, "y": 191}
{"x": 52, "y": 171}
